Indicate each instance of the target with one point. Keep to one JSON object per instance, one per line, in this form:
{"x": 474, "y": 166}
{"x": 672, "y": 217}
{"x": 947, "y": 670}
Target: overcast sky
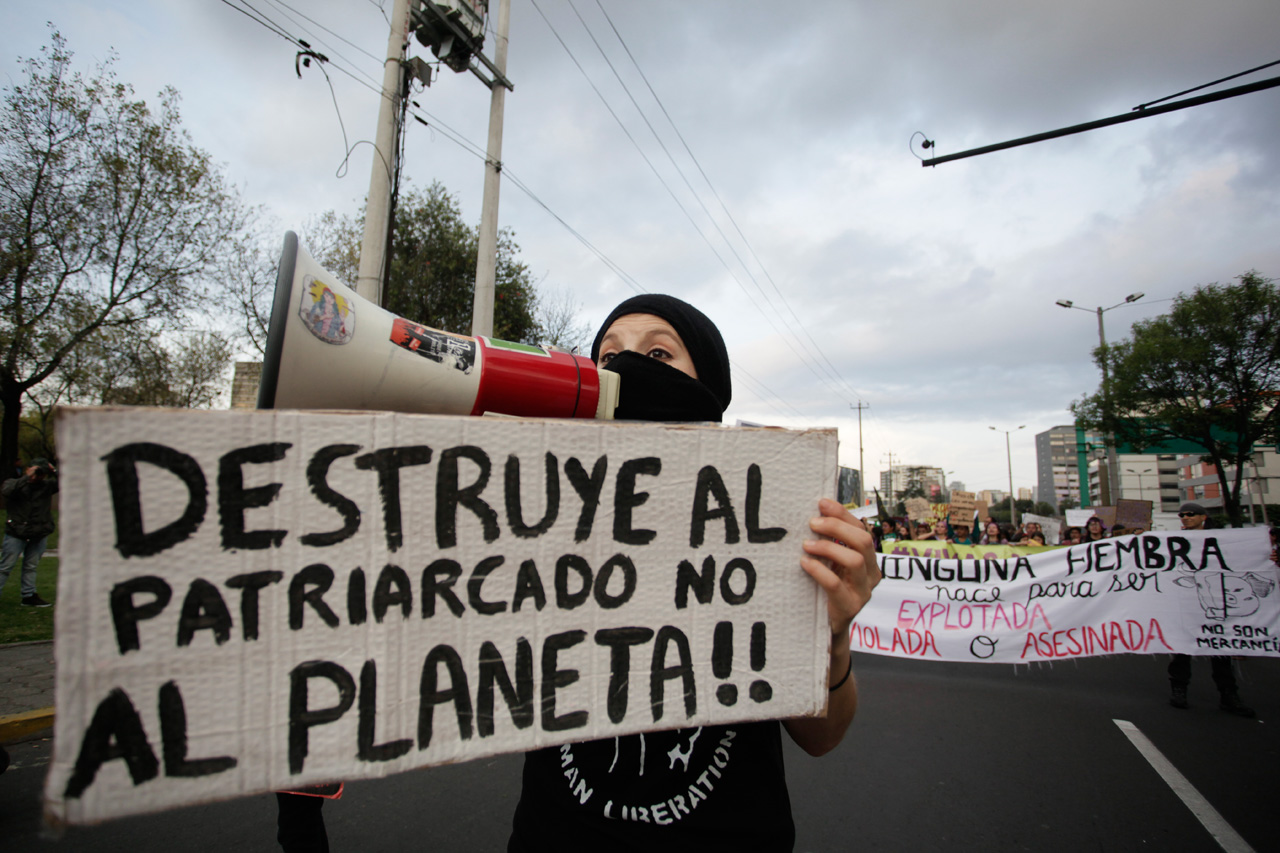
{"x": 926, "y": 293}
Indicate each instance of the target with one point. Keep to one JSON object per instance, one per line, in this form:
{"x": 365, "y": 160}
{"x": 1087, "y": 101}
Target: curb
{"x": 4, "y": 646}
{"x": 18, "y": 727}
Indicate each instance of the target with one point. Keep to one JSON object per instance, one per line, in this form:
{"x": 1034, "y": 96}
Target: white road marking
{"x": 1228, "y": 839}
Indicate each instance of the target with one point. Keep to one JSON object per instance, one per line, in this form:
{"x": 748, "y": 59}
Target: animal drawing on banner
{"x": 1225, "y": 594}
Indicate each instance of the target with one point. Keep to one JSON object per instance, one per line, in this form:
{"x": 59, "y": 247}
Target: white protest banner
{"x": 252, "y": 601}
{"x": 1195, "y": 592}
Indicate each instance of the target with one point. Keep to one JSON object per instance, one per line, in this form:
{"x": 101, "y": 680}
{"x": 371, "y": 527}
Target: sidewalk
{"x": 26, "y": 690}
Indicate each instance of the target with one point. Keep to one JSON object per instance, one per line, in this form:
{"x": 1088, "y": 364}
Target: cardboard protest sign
{"x": 962, "y": 509}
{"x": 1193, "y": 592}
{"x": 1131, "y": 514}
{"x": 252, "y": 601}
{"x": 917, "y": 508}
{"x": 984, "y": 511}
{"x": 1107, "y": 514}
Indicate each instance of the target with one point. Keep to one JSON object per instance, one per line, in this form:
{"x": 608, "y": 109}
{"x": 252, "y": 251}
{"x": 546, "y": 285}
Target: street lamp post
{"x": 1112, "y": 466}
{"x": 1013, "y": 505}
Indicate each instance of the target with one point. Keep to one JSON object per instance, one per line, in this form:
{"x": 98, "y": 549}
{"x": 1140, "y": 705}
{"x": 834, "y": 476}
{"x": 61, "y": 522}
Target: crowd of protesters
{"x": 992, "y": 532}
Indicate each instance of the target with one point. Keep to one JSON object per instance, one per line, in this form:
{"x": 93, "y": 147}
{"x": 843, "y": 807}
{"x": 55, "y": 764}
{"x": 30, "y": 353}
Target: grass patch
{"x": 20, "y": 624}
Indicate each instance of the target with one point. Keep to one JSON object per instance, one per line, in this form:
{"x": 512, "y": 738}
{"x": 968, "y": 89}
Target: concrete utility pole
{"x": 377, "y": 214}
{"x": 862, "y": 477}
{"x": 487, "y": 256}
{"x": 890, "y": 495}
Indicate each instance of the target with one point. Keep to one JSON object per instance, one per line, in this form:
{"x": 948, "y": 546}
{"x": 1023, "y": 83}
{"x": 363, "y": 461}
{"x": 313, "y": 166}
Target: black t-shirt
{"x": 704, "y": 789}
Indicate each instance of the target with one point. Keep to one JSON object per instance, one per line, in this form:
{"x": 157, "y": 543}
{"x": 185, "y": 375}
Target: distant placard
{"x": 254, "y": 601}
{"x": 1079, "y": 517}
{"x": 1133, "y": 514}
{"x": 961, "y": 509}
{"x": 918, "y": 509}
{"x": 1050, "y": 526}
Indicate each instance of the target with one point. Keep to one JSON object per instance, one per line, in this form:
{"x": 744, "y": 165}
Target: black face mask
{"x": 653, "y": 391}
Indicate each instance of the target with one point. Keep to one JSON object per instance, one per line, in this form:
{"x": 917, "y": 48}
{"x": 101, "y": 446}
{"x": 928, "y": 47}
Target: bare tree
{"x": 109, "y": 217}
{"x": 557, "y": 313}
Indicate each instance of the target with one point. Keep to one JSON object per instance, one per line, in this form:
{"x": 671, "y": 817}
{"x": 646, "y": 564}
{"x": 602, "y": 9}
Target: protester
{"x": 890, "y": 532}
{"x": 937, "y": 532}
{"x": 1193, "y": 517}
{"x": 993, "y": 535}
{"x": 1036, "y": 538}
{"x": 960, "y": 535}
{"x": 1072, "y": 536}
{"x": 674, "y": 366}
{"x": 1094, "y": 530}
{"x": 29, "y": 503}
{"x": 1029, "y": 529}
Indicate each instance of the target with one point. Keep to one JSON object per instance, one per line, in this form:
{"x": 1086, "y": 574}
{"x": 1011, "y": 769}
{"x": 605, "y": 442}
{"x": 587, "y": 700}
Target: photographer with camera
{"x": 28, "y": 500}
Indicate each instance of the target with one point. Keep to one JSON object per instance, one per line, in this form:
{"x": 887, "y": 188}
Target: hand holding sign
{"x": 843, "y": 563}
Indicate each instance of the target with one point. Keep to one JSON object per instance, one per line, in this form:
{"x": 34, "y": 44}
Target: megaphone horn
{"x": 328, "y": 348}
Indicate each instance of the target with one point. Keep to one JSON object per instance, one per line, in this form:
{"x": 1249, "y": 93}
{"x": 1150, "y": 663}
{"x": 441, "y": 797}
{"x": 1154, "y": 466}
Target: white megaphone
{"x": 328, "y": 348}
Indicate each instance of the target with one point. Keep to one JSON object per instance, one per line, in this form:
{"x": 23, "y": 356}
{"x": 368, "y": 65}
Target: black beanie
{"x": 700, "y": 336}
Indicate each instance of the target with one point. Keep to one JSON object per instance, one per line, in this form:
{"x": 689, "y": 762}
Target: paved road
{"x": 942, "y": 757}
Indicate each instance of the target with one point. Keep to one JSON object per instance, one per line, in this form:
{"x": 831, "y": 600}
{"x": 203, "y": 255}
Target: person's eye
{"x": 606, "y": 358}
{"x": 660, "y": 354}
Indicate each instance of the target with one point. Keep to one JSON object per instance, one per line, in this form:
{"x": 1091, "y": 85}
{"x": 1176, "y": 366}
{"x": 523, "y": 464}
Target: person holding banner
{"x": 1094, "y": 530}
{"x": 890, "y": 531}
{"x": 675, "y": 367}
{"x": 960, "y": 535}
{"x": 1029, "y": 530}
{"x": 938, "y": 532}
{"x": 993, "y": 535}
{"x": 1194, "y": 517}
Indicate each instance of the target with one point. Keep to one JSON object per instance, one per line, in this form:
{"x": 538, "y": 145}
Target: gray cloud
{"x": 930, "y": 291}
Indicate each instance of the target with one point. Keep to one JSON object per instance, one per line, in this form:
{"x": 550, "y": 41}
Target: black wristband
{"x": 833, "y": 688}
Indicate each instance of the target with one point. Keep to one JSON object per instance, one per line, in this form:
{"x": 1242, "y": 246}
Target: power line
{"x": 457, "y": 138}
{"x": 768, "y": 317}
{"x": 834, "y": 371}
{"x": 327, "y": 30}
{"x": 327, "y": 46}
{"x": 1205, "y": 85}
{"x": 257, "y": 17}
